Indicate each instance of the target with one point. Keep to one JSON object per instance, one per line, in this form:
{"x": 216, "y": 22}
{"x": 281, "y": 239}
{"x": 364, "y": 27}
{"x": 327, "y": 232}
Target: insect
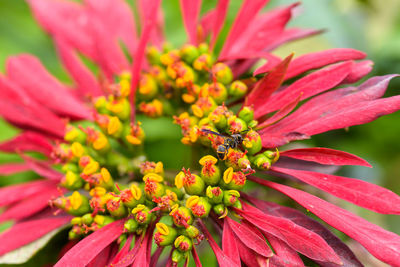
{"x": 230, "y": 141}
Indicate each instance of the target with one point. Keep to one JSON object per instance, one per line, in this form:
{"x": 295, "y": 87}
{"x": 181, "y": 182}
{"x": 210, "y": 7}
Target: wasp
{"x": 230, "y": 141}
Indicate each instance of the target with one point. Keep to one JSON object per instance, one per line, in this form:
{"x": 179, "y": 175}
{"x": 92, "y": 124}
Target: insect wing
{"x": 211, "y": 132}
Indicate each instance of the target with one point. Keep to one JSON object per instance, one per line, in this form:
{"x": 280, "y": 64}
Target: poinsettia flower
{"x": 116, "y": 222}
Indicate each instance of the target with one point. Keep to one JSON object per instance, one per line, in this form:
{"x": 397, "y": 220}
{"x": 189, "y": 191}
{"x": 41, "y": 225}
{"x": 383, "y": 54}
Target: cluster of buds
{"x": 98, "y": 155}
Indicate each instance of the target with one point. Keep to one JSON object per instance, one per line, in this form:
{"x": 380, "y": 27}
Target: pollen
{"x": 114, "y": 125}
{"x": 136, "y": 192}
{"x": 228, "y": 175}
{"x": 192, "y": 201}
{"x": 133, "y": 140}
{"x": 125, "y": 87}
{"x": 206, "y": 159}
{"x": 77, "y": 149}
{"x": 105, "y": 174}
{"x": 101, "y": 142}
{"x": 91, "y": 168}
{"x": 162, "y": 228}
{"x": 75, "y": 200}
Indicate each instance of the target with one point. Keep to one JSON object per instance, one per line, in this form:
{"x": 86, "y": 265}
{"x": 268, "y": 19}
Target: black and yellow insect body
{"x": 230, "y": 141}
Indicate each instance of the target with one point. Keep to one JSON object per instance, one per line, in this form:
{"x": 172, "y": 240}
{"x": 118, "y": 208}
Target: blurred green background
{"x": 372, "y": 26}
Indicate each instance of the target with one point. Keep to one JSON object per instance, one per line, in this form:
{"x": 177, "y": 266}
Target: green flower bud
{"x": 272, "y": 155}
{"x": 142, "y": 214}
{"x": 115, "y": 207}
{"x": 181, "y": 216}
{"x": 153, "y": 55}
{"x": 192, "y": 232}
{"x": 203, "y": 62}
{"x": 247, "y": 114}
{"x": 214, "y": 194}
{"x": 153, "y": 186}
{"x": 131, "y": 225}
{"x": 192, "y": 183}
{"x": 72, "y": 181}
{"x": 252, "y": 124}
{"x": 189, "y": 53}
{"x": 252, "y": 142}
{"x": 218, "y": 117}
{"x": 222, "y": 73}
{"x": 148, "y": 88}
{"x": 76, "y": 204}
{"x": 183, "y": 243}
{"x": 220, "y": 210}
{"x": 199, "y": 206}
{"x": 230, "y": 197}
{"x": 164, "y": 234}
{"x": 102, "y": 220}
{"x": 120, "y": 108}
{"x": 262, "y": 162}
{"x": 76, "y": 221}
{"x": 234, "y": 180}
{"x": 238, "y": 89}
{"x": 177, "y": 256}
{"x": 236, "y": 125}
{"x": 217, "y": 91}
{"x": 70, "y": 167}
{"x": 132, "y": 196}
{"x": 210, "y": 172}
{"x": 204, "y": 48}
{"x": 87, "y": 219}
{"x": 74, "y": 134}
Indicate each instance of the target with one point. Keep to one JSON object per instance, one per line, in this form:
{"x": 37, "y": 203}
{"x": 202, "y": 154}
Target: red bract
{"x": 276, "y": 109}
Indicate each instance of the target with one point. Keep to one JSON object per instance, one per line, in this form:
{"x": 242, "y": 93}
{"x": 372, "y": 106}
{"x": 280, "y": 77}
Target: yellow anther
{"x": 191, "y": 201}
{"x": 185, "y": 140}
{"x": 98, "y": 191}
{"x": 76, "y": 200}
{"x": 206, "y": 158}
{"x": 71, "y": 134}
{"x": 247, "y": 143}
{"x": 114, "y": 125}
{"x": 100, "y": 102}
{"x": 159, "y": 167}
{"x": 204, "y": 90}
{"x": 276, "y": 156}
{"x": 228, "y": 174}
{"x": 153, "y": 177}
{"x": 70, "y": 178}
{"x": 91, "y": 168}
{"x": 187, "y": 98}
{"x": 125, "y": 75}
{"x": 179, "y": 180}
{"x": 101, "y": 142}
{"x": 174, "y": 209}
{"x": 197, "y": 111}
{"x": 234, "y": 193}
{"x": 171, "y": 194}
{"x": 136, "y": 192}
{"x": 77, "y": 149}
{"x": 115, "y": 107}
{"x": 162, "y": 228}
{"x": 133, "y": 140}
{"x": 170, "y": 57}
{"x": 105, "y": 174}
{"x": 193, "y": 134}
{"x": 99, "y": 219}
{"x": 171, "y": 72}
{"x": 76, "y": 221}
{"x": 138, "y": 208}
{"x": 125, "y": 87}
{"x": 179, "y": 240}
